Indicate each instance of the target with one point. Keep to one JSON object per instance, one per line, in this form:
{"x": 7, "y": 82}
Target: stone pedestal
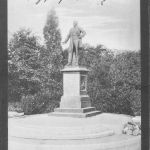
{"x": 75, "y": 101}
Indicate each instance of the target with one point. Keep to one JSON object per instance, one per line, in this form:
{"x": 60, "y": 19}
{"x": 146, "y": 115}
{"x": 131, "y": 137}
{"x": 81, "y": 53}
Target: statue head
{"x": 75, "y": 23}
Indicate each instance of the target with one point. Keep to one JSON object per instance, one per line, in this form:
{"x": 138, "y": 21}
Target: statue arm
{"x": 83, "y": 33}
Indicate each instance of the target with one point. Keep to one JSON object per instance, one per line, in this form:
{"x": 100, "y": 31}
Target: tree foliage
{"x": 34, "y": 69}
{"x": 51, "y": 56}
{"x": 114, "y": 82}
{"x": 23, "y": 64}
{"x": 51, "y": 32}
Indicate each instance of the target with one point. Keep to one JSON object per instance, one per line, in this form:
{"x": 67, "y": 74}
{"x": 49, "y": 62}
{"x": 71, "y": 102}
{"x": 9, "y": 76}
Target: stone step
{"x": 75, "y": 110}
{"x": 76, "y": 115}
{"x": 115, "y": 142}
{"x": 93, "y": 113}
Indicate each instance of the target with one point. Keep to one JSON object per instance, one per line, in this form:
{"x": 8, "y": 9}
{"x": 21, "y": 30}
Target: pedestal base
{"x": 75, "y": 112}
{"x": 75, "y": 101}
{"x": 80, "y": 101}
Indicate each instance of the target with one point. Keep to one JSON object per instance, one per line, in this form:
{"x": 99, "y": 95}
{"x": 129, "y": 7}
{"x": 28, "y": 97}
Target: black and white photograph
{"x": 74, "y": 74}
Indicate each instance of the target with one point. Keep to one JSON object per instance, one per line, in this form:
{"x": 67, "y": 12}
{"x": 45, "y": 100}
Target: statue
{"x": 75, "y": 35}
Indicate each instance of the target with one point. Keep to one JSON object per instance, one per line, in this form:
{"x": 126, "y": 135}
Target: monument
{"x": 75, "y": 101}
{"x": 79, "y": 131}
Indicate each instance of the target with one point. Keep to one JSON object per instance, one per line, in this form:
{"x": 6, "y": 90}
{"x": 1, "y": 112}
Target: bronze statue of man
{"x": 75, "y": 35}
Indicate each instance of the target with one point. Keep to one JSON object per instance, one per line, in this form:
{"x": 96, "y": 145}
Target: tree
{"x": 98, "y": 60}
{"x": 113, "y": 81}
{"x": 125, "y": 78}
{"x": 51, "y": 32}
{"x": 51, "y": 57}
{"x": 23, "y": 65}
{"x": 35, "y": 69}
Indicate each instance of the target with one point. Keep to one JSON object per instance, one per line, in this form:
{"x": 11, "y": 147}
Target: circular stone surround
{"x": 49, "y": 127}
{"x": 44, "y": 132}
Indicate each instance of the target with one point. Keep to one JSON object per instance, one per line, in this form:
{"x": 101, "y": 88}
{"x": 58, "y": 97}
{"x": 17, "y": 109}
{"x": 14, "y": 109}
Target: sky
{"x": 116, "y": 24}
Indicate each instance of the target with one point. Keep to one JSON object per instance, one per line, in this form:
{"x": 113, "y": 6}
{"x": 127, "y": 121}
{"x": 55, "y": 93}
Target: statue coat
{"x": 75, "y": 36}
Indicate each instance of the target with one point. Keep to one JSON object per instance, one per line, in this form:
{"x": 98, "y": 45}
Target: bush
{"x": 113, "y": 101}
{"x": 38, "y": 103}
{"x": 15, "y": 106}
{"x": 136, "y": 102}
{"x": 114, "y": 82}
{"x": 119, "y": 100}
